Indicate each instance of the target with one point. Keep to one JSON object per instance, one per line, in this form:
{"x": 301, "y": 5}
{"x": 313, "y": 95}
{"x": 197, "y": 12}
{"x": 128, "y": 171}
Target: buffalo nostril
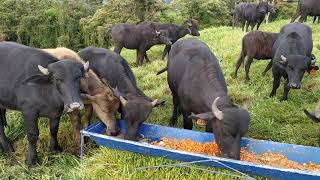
{"x": 294, "y": 85}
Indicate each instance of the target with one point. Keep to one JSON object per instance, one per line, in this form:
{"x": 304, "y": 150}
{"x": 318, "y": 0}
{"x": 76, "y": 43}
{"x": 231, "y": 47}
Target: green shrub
{"x": 207, "y": 12}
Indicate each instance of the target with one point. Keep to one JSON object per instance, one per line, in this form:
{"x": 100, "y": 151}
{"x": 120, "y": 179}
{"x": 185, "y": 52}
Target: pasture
{"x": 270, "y": 118}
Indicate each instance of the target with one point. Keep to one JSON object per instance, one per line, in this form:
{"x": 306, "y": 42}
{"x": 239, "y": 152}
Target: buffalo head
{"x": 263, "y": 7}
{"x": 229, "y": 124}
{"x": 295, "y": 67}
{"x": 192, "y": 26}
{"x": 135, "y": 111}
{"x": 163, "y": 37}
{"x": 65, "y": 76}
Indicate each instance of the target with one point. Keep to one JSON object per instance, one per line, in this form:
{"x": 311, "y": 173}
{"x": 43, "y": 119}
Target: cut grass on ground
{"x": 270, "y": 119}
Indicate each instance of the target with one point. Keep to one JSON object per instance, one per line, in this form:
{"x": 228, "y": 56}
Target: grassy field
{"x": 270, "y": 119}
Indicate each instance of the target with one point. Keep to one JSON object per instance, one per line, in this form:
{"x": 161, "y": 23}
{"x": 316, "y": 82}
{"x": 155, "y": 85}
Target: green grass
{"x": 270, "y": 119}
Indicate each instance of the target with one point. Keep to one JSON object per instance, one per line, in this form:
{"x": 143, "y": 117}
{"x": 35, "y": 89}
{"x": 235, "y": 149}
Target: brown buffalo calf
{"x": 256, "y": 45}
{"x": 98, "y": 95}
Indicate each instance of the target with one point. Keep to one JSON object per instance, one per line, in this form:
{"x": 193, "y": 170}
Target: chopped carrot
{"x": 212, "y": 149}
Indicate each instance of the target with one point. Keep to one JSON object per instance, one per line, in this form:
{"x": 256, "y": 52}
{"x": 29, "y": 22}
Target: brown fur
{"x": 256, "y": 45}
{"x": 100, "y": 97}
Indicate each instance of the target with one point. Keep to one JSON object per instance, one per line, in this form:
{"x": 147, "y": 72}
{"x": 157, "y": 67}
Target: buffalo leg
{"x": 286, "y": 91}
{"x": 297, "y": 14}
{"x": 243, "y": 25}
{"x": 146, "y": 57}
{"x": 54, "y": 128}
{"x": 166, "y": 51}
{"x": 258, "y": 25}
{"x": 118, "y": 48}
{"x": 140, "y": 57}
{"x": 247, "y": 27}
{"x": 175, "y": 113}
{"x": 31, "y": 121}
{"x": 88, "y": 115}
{"x": 247, "y": 68}
{"x": 276, "y": 83}
{"x": 269, "y": 66}
{"x": 303, "y": 18}
{"x": 239, "y": 62}
{"x": 4, "y": 141}
{"x": 76, "y": 122}
{"x": 187, "y": 122}
{"x": 314, "y": 19}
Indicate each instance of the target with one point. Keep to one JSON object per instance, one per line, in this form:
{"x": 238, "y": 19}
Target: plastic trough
{"x": 298, "y": 153}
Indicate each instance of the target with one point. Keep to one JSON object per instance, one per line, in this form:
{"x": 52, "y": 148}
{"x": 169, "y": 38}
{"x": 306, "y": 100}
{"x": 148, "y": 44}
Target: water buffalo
{"x": 176, "y": 32}
{"x": 38, "y": 85}
{"x": 135, "y": 105}
{"x": 256, "y": 45}
{"x": 198, "y": 86}
{"x": 291, "y": 57}
{"x": 306, "y": 8}
{"x": 139, "y": 37}
{"x": 99, "y": 96}
{"x": 251, "y": 13}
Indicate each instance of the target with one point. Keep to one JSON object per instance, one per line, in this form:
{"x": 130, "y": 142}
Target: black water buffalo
{"x": 27, "y": 86}
{"x": 111, "y": 67}
{"x": 251, "y": 13}
{"x": 139, "y": 37}
{"x": 306, "y": 8}
{"x": 176, "y": 32}
{"x": 198, "y": 86}
{"x": 256, "y": 45}
{"x": 291, "y": 57}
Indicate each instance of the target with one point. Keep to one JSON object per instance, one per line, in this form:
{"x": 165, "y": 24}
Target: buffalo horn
{"x": 43, "y": 70}
{"x": 86, "y": 66}
{"x": 215, "y": 110}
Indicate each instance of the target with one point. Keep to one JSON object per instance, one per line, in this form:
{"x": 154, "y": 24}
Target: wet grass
{"x": 270, "y": 119}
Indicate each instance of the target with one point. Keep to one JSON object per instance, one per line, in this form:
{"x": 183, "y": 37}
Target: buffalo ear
{"x": 38, "y": 79}
{"x": 311, "y": 115}
{"x": 205, "y": 116}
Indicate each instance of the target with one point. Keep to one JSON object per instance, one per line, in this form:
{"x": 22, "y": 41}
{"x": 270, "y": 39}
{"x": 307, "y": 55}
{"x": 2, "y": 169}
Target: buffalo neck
{"x": 130, "y": 89}
{"x": 92, "y": 84}
{"x": 182, "y": 31}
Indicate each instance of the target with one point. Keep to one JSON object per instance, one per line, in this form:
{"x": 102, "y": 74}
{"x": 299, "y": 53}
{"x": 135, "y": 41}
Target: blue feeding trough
{"x": 298, "y": 153}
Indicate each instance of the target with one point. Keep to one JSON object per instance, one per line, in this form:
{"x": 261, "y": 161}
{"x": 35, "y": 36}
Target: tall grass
{"x": 270, "y": 119}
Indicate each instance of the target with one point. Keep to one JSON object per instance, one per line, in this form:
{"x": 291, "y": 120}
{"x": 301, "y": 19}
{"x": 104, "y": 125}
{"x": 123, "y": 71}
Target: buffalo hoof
{"x": 31, "y": 161}
{"x": 247, "y": 80}
{"x": 55, "y": 148}
{"x": 283, "y": 99}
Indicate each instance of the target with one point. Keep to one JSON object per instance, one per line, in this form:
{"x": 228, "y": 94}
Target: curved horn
{"x": 283, "y": 59}
{"x": 86, "y": 66}
{"x": 123, "y": 101}
{"x": 317, "y": 110}
{"x": 215, "y": 110}
{"x": 154, "y": 103}
{"x": 43, "y": 70}
{"x": 157, "y": 33}
{"x": 189, "y": 24}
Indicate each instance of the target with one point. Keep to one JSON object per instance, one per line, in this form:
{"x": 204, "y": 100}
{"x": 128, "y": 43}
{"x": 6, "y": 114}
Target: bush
{"x": 207, "y": 12}
{"x": 285, "y": 10}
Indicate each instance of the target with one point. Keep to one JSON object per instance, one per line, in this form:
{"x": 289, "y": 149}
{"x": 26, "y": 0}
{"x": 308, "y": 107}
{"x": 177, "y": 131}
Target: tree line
{"x": 80, "y": 23}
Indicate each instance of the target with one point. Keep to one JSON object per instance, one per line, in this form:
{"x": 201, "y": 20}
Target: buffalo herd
{"x": 52, "y": 81}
